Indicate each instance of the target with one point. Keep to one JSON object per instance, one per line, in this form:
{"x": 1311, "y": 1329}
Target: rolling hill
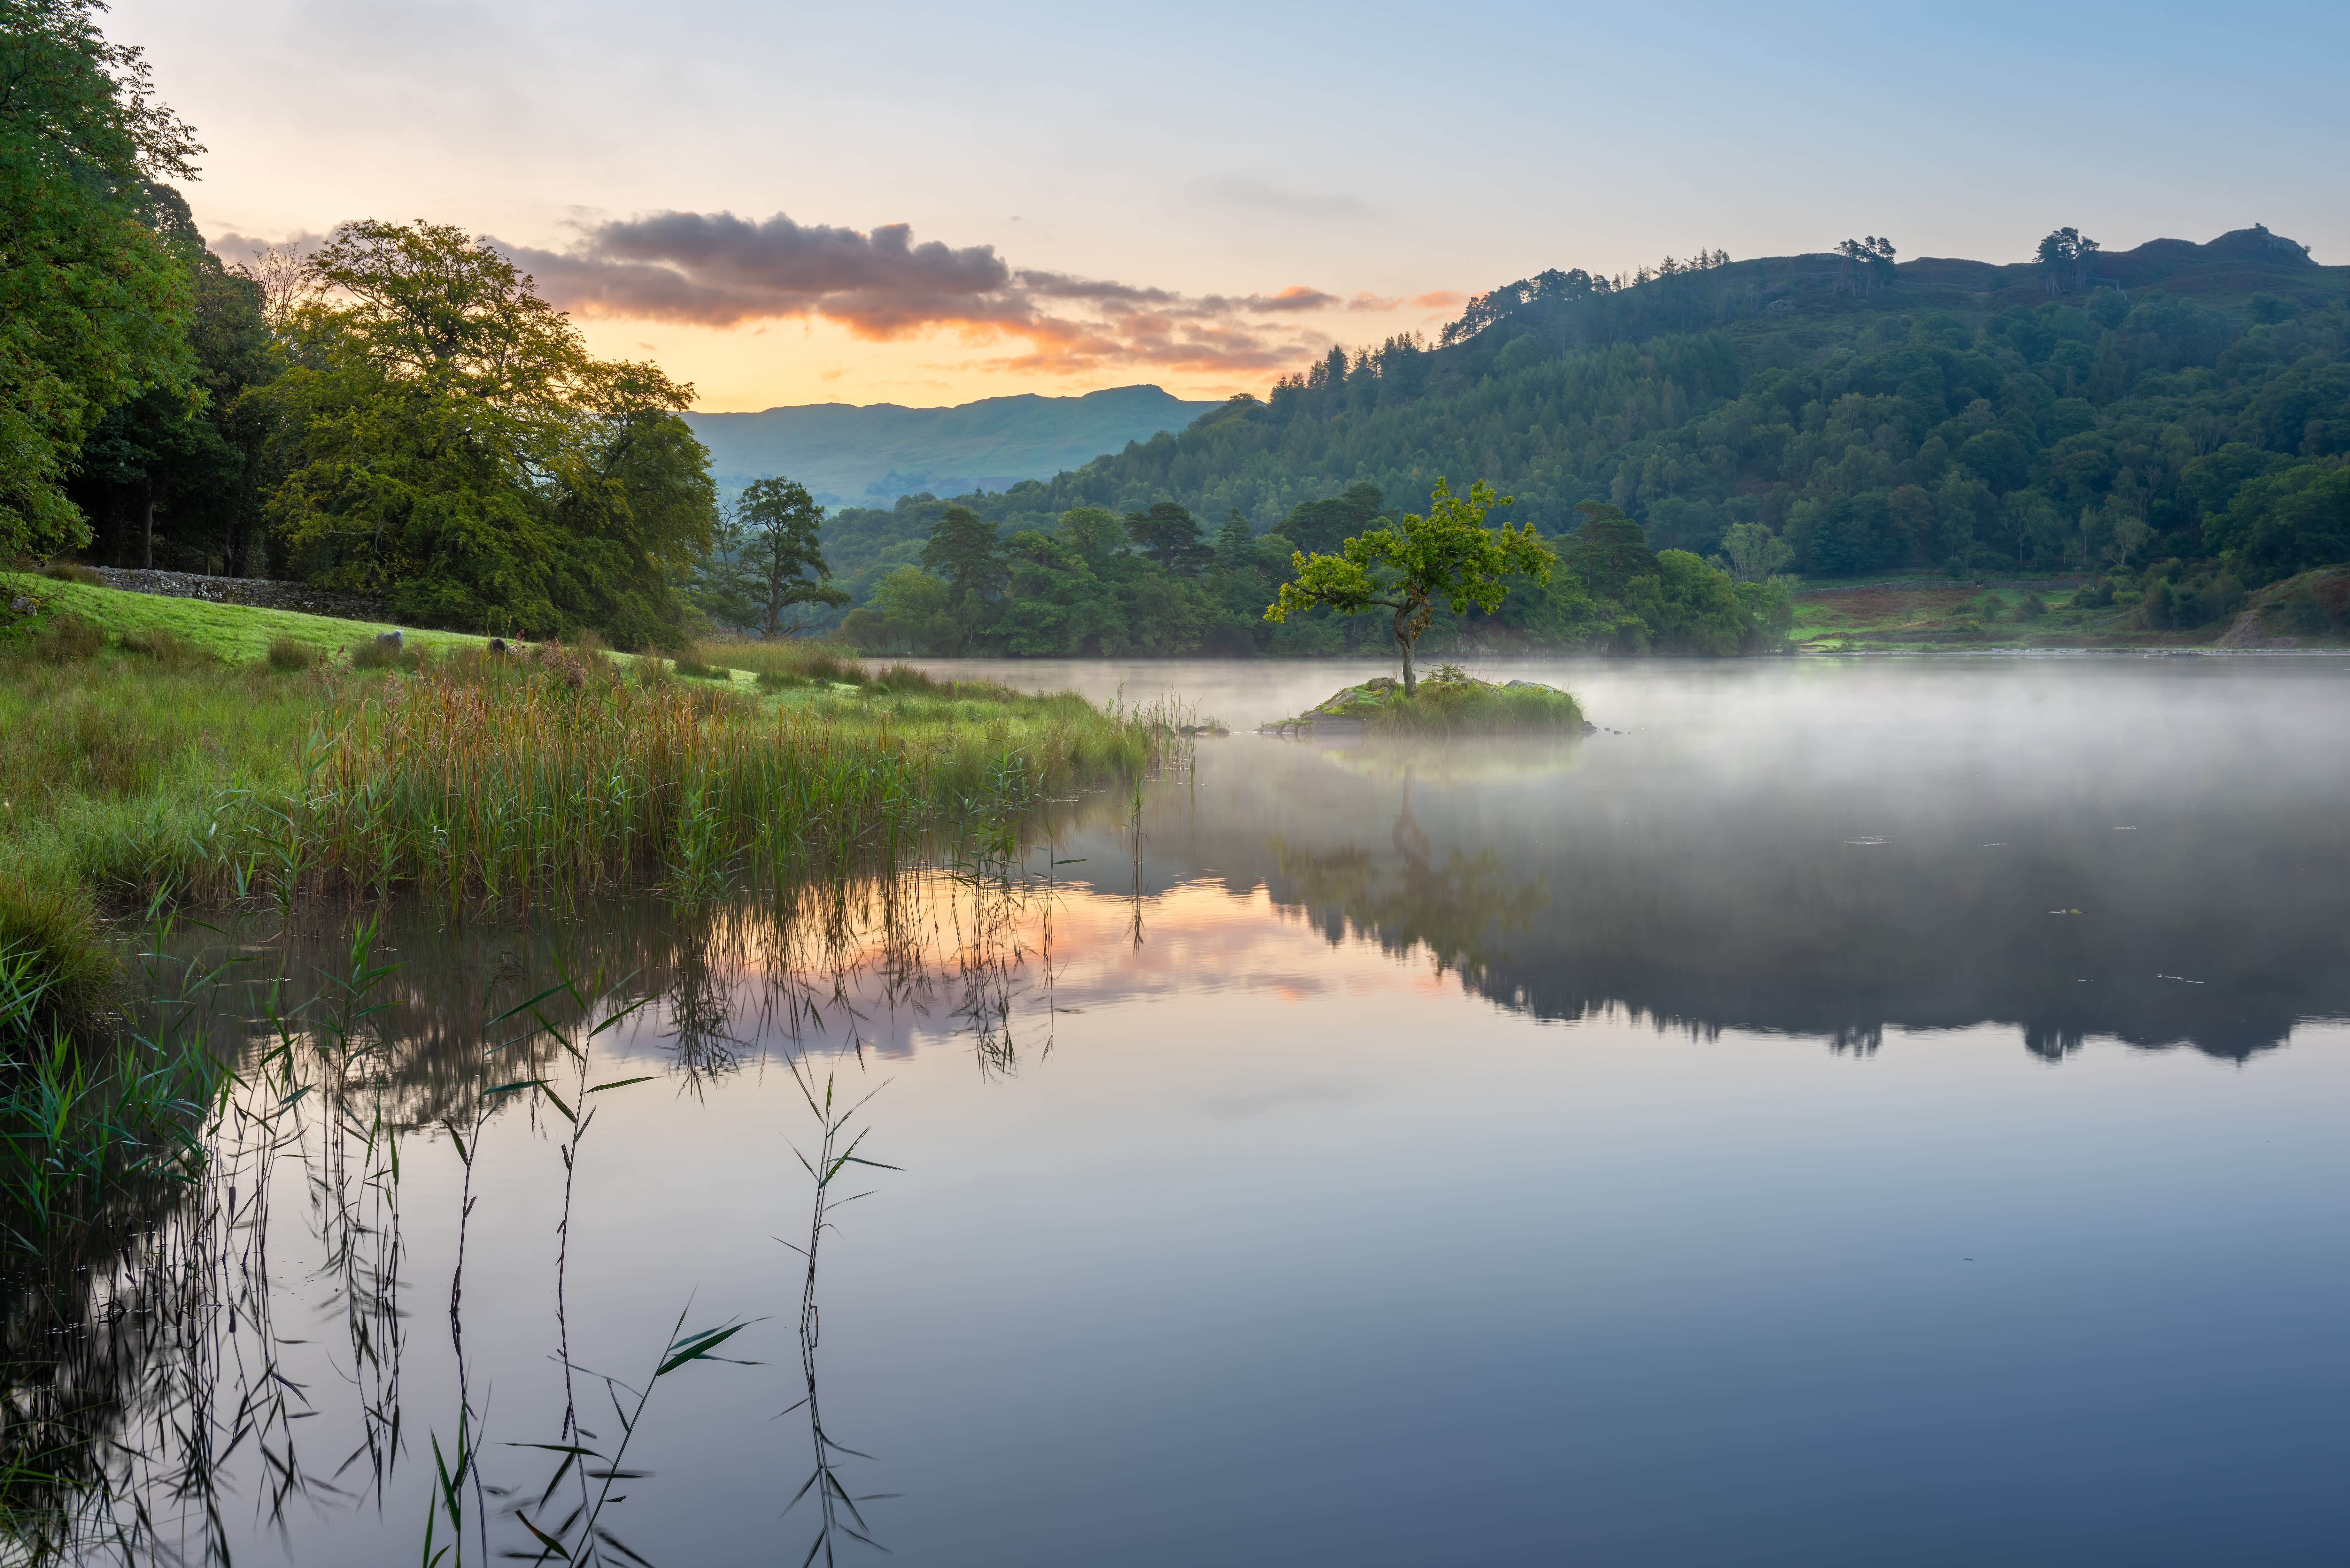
{"x": 853, "y": 456}
{"x": 2170, "y": 421}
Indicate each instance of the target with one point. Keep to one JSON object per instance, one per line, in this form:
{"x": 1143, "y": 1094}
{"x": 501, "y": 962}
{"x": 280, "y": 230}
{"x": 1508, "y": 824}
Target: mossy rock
{"x": 1446, "y": 703}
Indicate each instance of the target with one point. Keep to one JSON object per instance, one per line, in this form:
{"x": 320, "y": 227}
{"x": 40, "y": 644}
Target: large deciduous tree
{"x": 1323, "y": 525}
{"x": 93, "y": 303}
{"x": 452, "y": 446}
{"x": 1609, "y": 551}
{"x": 2066, "y": 257}
{"x": 184, "y": 462}
{"x": 1756, "y": 555}
{"x": 1410, "y": 565}
{"x": 781, "y": 521}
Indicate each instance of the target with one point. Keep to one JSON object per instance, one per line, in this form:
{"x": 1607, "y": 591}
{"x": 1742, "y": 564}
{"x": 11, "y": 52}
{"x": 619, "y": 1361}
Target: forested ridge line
{"x": 2178, "y": 406}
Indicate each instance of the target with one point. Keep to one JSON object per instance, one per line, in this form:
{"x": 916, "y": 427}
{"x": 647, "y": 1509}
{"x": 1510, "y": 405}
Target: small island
{"x": 1449, "y": 703}
{"x": 1406, "y": 568}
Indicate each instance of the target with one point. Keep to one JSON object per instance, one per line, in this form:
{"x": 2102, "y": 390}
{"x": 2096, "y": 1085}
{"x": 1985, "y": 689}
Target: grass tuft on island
{"x": 1449, "y": 703}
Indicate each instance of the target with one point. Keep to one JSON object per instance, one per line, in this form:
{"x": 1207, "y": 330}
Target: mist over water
{"x": 2147, "y": 849}
{"x": 1841, "y": 1112}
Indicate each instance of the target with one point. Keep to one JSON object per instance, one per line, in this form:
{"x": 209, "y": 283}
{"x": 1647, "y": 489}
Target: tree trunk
{"x": 146, "y": 525}
{"x": 1404, "y": 637}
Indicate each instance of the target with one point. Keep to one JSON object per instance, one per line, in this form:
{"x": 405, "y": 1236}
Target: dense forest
{"x": 2176, "y": 415}
{"x": 399, "y": 415}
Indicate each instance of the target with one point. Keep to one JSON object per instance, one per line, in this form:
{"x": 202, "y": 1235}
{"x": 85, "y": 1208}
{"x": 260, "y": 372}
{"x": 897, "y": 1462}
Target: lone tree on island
{"x": 1407, "y": 565}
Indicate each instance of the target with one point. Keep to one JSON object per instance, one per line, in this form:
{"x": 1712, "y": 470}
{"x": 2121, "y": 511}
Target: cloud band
{"x": 720, "y": 270}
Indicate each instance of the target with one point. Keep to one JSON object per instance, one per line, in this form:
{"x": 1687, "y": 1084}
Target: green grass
{"x": 236, "y": 633}
{"x": 1926, "y": 614}
{"x": 161, "y": 751}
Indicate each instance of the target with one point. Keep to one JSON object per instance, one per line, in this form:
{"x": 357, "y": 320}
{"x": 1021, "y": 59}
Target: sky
{"x": 925, "y": 203}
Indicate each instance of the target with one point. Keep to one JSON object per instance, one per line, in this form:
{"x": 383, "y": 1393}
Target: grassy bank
{"x": 254, "y": 763}
{"x": 232, "y": 633}
{"x": 1926, "y": 614}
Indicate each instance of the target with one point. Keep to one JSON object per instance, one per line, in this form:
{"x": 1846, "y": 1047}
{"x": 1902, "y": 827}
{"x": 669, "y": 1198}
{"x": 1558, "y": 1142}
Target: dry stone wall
{"x": 252, "y": 591}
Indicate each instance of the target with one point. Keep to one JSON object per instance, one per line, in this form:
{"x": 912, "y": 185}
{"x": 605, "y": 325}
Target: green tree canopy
{"x": 908, "y": 615}
{"x": 2065, "y": 257}
{"x": 187, "y": 459}
{"x": 1326, "y": 524}
{"x": 1095, "y": 532}
{"x": 964, "y": 550}
{"x": 93, "y": 303}
{"x": 1408, "y": 567}
{"x": 781, "y": 521}
{"x": 1609, "y": 551}
{"x": 1168, "y": 534}
{"x": 452, "y": 446}
{"x": 1755, "y": 554}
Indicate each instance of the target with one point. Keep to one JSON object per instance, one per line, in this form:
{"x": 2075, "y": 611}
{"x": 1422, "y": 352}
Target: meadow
{"x": 1926, "y": 614}
{"x": 161, "y": 751}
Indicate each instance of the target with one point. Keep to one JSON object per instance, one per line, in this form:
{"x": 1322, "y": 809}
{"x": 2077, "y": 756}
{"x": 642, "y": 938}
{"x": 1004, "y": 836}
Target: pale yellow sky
{"x": 770, "y": 364}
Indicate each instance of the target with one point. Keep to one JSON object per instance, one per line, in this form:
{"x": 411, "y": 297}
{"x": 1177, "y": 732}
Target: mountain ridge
{"x": 2171, "y": 421}
{"x": 850, "y": 454}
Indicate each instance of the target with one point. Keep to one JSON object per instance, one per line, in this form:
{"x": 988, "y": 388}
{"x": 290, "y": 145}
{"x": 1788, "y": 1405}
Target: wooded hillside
{"x": 2179, "y": 406}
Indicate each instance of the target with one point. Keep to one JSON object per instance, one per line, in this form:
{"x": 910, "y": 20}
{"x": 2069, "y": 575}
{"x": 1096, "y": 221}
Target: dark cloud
{"x": 719, "y": 270}
{"x": 1060, "y": 285}
{"x": 716, "y": 269}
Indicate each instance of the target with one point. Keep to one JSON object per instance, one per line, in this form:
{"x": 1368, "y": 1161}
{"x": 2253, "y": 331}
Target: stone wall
{"x": 252, "y": 591}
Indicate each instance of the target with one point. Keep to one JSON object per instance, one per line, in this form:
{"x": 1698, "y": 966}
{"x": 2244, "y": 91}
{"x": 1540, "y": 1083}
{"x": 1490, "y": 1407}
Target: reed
{"x": 86, "y": 1116}
{"x": 531, "y": 782}
{"x": 125, "y": 776}
{"x": 291, "y": 655}
{"x": 837, "y": 1515}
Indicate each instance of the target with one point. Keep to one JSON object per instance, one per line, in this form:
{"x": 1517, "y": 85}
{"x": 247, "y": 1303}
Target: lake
{"x": 1841, "y": 1112}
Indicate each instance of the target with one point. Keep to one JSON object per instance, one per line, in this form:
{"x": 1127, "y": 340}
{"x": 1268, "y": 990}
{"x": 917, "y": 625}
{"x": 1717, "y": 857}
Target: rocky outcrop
{"x": 2249, "y": 631}
{"x": 2311, "y": 609}
{"x": 255, "y": 592}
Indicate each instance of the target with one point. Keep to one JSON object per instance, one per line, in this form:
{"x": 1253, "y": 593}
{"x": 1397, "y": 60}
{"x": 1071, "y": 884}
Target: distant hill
{"x": 852, "y": 456}
{"x": 2172, "y": 419}
{"x": 1872, "y": 417}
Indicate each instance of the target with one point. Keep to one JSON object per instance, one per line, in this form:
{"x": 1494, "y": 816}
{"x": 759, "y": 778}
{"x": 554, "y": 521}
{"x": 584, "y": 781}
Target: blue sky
{"x": 1213, "y": 153}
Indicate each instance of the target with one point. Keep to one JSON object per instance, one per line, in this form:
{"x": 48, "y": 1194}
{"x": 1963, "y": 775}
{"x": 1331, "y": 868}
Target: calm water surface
{"x": 1842, "y": 1113}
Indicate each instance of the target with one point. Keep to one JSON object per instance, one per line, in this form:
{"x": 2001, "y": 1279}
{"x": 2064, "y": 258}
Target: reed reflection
{"x": 159, "y": 1408}
{"x": 838, "y": 1517}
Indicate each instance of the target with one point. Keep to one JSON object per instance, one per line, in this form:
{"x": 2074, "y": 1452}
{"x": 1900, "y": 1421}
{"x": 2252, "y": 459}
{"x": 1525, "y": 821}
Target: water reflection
{"x": 2142, "y": 860}
{"x": 158, "y": 1408}
{"x": 834, "y": 1158}
{"x": 1455, "y": 911}
{"x": 236, "y": 1369}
